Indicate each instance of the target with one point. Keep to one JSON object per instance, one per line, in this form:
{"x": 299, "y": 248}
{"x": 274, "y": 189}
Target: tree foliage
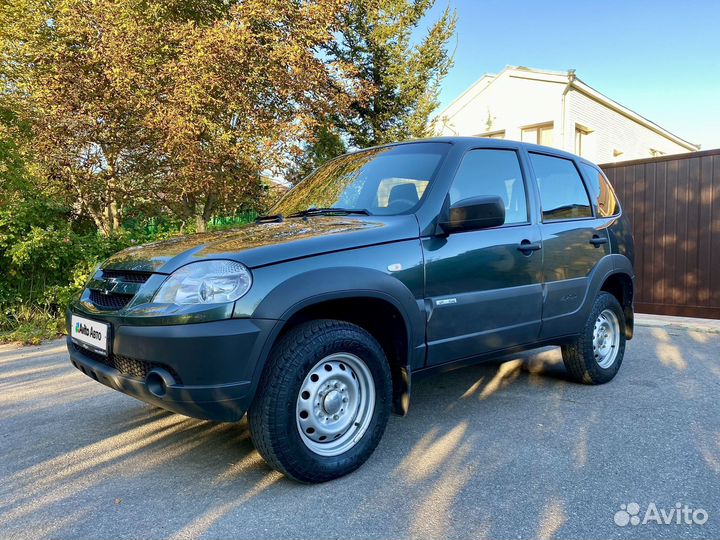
{"x": 181, "y": 104}
{"x": 326, "y": 145}
{"x": 127, "y": 120}
{"x": 376, "y": 37}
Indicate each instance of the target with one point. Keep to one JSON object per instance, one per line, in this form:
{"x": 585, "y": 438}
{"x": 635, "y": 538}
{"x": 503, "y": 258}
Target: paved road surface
{"x": 507, "y": 450}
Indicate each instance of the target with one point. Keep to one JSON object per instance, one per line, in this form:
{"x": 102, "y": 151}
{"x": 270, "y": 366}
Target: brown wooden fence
{"x": 674, "y": 206}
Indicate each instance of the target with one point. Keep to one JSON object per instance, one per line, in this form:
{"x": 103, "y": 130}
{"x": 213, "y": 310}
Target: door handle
{"x": 528, "y": 246}
{"x": 597, "y": 241}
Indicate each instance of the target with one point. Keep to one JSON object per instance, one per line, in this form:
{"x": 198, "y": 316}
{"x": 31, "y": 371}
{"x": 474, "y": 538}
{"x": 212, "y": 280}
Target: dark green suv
{"x": 382, "y": 265}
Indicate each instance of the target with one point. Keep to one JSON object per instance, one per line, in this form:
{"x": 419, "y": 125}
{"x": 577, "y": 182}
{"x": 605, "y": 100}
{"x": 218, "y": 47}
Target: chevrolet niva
{"x": 382, "y": 265}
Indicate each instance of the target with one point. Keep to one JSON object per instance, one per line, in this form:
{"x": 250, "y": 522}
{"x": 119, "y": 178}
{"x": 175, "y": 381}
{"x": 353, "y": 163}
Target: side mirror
{"x": 473, "y": 214}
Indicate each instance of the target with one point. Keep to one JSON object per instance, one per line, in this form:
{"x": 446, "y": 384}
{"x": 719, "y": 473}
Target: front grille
{"x": 109, "y": 300}
{"x": 110, "y": 289}
{"x": 127, "y": 276}
{"x": 129, "y": 367}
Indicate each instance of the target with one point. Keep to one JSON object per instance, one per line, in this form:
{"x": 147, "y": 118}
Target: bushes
{"x": 49, "y": 248}
{"x": 45, "y": 261}
{"x": 44, "y": 269}
{"x": 46, "y": 257}
{"x": 44, "y": 264}
{"x": 29, "y": 324}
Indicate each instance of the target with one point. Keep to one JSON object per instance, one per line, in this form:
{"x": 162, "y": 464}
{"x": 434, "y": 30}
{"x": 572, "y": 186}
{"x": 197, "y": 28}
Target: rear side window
{"x": 492, "y": 172}
{"x": 562, "y": 191}
{"x": 607, "y": 204}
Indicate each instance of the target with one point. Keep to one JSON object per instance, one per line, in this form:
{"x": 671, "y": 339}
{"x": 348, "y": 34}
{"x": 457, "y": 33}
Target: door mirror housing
{"x": 473, "y": 214}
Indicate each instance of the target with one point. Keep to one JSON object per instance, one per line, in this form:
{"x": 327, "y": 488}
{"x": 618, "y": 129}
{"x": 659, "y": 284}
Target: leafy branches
{"x": 376, "y": 37}
{"x": 180, "y": 105}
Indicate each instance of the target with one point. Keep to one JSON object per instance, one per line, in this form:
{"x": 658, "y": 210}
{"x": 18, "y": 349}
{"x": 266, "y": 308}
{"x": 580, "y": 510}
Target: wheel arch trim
{"x": 611, "y": 265}
{"x": 323, "y": 285}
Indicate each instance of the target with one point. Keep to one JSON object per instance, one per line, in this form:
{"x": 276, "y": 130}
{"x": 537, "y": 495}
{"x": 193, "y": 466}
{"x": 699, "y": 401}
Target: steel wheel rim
{"x": 606, "y": 338}
{"x": 335, "y": 404}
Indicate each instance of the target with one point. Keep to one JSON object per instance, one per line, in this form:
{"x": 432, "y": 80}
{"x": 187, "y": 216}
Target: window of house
{"x": 492, "y": 172}
{"x": 607, "y": 204}
{"x": 582, "y": 139}
{"x": 562, "y": 191}
{"x": 494, "y": 135}
{"x": 542, "y": 134}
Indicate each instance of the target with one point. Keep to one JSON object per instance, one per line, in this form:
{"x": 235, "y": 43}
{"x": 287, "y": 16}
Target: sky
{"x": 661, "y": 59}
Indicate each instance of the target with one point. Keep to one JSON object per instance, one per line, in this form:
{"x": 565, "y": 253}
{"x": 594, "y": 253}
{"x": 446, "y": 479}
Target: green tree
{"x": 376, "y": 37}
{"x": 326, "y": 145}
{"x": 245, "y": 91}
{"x": 70, "y": 68}
{"x": 171, "y": 104}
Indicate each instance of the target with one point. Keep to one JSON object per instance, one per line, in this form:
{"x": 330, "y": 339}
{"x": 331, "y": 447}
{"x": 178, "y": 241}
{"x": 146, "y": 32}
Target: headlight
{"x": 205, "y": 282}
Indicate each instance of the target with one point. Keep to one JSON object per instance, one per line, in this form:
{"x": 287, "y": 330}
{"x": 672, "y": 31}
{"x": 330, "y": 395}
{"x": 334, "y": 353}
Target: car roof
{"x": 488, "y": 143}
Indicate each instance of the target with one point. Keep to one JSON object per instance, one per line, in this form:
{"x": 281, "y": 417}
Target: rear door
{"x": 484, "y": 287}
{"x": 574, "y": 239}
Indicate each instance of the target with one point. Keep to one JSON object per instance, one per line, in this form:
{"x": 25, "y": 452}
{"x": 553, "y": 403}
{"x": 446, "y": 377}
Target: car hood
{"x": 267, "y": 243}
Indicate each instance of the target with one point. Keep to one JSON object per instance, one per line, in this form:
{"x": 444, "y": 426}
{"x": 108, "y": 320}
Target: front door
{"x": 484, "y": 287}
{"x": 574, "y": 240}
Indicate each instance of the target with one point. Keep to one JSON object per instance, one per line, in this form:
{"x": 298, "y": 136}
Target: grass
{"x": 32, "y": 327}
{"x": 224, "y": 223}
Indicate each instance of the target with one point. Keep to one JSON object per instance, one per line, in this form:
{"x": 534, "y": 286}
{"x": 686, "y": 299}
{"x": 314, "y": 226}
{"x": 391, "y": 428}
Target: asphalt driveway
{"x": 508, "y": 450}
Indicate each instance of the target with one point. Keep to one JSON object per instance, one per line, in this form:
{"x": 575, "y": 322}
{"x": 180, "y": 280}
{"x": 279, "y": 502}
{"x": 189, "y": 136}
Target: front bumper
{"x": 207, "y": 369}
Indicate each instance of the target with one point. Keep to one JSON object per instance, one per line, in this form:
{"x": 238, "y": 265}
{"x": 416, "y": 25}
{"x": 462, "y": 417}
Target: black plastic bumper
{"x": 204, "y": 370}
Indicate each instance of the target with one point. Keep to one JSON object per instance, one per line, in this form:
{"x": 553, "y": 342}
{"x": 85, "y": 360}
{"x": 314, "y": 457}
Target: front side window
{"x": 562, "y": 192}
{"x": 383, "y": 181}
{"x": 607, "y": 204}
{"x": 492, "y": 172}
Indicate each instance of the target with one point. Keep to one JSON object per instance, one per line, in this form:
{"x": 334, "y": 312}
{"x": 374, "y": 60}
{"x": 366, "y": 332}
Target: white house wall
{"x": 510, "y": 103}
{"x": 519, "y": 97}
{"x": 611, "y": 132}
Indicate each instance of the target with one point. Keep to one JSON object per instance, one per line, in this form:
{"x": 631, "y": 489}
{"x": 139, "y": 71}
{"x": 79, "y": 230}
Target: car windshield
{"x": 381, "y": 181}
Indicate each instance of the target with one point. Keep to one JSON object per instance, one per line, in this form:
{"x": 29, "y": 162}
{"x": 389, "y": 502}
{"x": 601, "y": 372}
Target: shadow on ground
{"x": 497, "y": 450}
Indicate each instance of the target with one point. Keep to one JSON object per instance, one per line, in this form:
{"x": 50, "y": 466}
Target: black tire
{"x": 579, "y": 355}
{"x": 272, "y": 415}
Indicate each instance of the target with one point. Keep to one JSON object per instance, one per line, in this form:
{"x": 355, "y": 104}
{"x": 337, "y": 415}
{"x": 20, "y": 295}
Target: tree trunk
{"x": 112, "y": 210}
{"x": 200, "y": 223}
{"x": 115, "y": 212}
{"x": 99, "y": 222}
{"x": 104, "y": 221}
{"x": 98, "y": 215}
{"x": 203, "y": 213}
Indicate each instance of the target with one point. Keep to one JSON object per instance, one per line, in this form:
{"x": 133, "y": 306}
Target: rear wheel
{"x": 323, "y": 401}
{"x": 595, "y": 356}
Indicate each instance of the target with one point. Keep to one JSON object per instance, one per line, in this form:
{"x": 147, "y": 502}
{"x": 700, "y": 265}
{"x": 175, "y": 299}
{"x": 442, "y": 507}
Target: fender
{"x": 623, "y": 265}
{"x": 620, "y": 265}
{"x": 320, "y": 285}
{"x": 607, "y": 266}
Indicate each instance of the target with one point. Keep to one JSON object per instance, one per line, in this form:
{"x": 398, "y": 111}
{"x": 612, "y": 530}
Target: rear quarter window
{"x": 607, "y": 203}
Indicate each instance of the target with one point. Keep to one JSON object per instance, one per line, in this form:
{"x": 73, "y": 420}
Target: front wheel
{"x": 323, "y": 401}
{"x": 595, "y": 356}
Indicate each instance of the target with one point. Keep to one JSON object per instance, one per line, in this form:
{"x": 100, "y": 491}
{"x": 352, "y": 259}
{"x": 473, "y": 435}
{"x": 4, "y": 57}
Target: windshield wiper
{"x": 329, "y": 212}
{"x": 272, "y": 218}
